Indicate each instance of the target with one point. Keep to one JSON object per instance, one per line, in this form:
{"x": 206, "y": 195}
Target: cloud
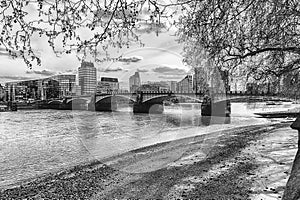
{"x": 171, "y": 77}
{"x": 14, "y": 77}
{"x": 130, "y": 59}
{"x": 148, "y": 27}
{"x": 70, "y": 71}
{"x": 169, "y": 70}
{"x": 42, "y": 72}
{"x": 112, "y": 69}
{"x": 142, "y": 70}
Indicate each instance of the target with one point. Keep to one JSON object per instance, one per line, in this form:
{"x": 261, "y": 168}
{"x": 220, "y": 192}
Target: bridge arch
{"x": 55, "y": 102}
{"x": 109, "y": 98}
{"x": 77, "y": 101}
{"x": 160, "y": 98}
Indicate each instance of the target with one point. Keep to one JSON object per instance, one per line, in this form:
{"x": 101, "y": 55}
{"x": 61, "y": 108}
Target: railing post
{"x": 292, "y": 189}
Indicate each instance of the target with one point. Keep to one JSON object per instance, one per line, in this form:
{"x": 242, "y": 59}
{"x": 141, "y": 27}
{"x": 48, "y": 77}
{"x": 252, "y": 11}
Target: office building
{"x": 38, "y": 89}
{"x": 148, "y": 87}
{"x": 173, "y": 86}
{"x": 87, "y": 77}
{"x": 185, "y": 85}
{"x": 161, "y": 86}
{"x": 66, "y": 83}
{"x": 134, "y": 82}
{"x": 108, "y": 84}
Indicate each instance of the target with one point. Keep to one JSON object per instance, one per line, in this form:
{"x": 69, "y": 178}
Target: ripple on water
{"x": 40, "y": 141}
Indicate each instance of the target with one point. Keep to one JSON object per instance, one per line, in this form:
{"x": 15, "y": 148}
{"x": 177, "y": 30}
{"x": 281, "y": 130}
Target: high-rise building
{"x": 87, "y": 76}
{"x": 108, "y": 84}
{"x": 134, "y": 82}
{"x": 185, "y": 85}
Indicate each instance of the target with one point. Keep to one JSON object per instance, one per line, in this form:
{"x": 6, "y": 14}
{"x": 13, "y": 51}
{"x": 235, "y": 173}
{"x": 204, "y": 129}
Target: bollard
{"x": 292, "y": 189}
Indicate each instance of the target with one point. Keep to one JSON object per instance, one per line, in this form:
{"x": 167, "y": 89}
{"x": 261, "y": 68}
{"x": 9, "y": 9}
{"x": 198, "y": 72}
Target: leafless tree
{"x": 84, "y": 26}
{"x": 262, "y": 36}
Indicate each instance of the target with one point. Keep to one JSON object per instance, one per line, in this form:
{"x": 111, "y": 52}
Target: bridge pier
{"x": 220, "y": 108}
{"x": 148, "y": 108}
{"x": 106, "y": 106}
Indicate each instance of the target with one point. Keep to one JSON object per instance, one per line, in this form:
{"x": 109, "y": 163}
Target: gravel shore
{"x": 220, "y": 165}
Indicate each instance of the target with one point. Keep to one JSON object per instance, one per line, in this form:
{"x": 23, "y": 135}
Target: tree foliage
{"x": 262, "y": 36}
{"x": 259, "y": 36}
{"x": 84, "y": 26}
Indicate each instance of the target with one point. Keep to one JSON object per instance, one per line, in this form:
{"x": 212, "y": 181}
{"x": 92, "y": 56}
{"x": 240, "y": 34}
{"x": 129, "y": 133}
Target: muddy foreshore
{"x": 213, "y": 166}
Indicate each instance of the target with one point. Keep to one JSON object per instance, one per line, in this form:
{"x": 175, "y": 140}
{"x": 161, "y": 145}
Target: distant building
{"x": 173, "y": 86}
{"x": 23, "y": 90}
{"x": 87, "y": 77}
{"x": 76, "y": 90}
{"x": 66, "y": 83}
{"x": 148, "y": 87}
{"x": 108, "y": 84}
{"x": 200, "y": 80}
{"x": 2, "y": 93}
{"x": 50, "y": 89}
{"x": 185, "y": 85}
{"x": 38, "y": 89}
{"x": 161, "y": 86}
{"x": 134, "y": 82}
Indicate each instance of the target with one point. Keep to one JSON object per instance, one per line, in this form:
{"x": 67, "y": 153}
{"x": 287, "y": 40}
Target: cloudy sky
{"x": 160, "y": 59}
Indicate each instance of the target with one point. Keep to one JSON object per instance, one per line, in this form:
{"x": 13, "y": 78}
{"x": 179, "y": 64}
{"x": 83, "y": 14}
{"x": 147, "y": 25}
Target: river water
{"x": 35, "y": 142}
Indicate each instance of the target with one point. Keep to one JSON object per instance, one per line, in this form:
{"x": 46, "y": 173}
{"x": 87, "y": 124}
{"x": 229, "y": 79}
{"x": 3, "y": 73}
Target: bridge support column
{"x": 148, "y": 108}
{"x": 292, "y": 189}
{"x": 210, "y": 108}
{"x": 106, "y": 106}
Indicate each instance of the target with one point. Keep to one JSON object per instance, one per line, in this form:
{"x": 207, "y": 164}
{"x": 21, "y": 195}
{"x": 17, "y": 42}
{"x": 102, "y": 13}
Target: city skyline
{"x": 160, "y": 59}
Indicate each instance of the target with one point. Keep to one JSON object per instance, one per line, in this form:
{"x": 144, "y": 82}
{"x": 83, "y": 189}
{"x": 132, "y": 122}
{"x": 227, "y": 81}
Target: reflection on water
{"x": 40, "y": 141}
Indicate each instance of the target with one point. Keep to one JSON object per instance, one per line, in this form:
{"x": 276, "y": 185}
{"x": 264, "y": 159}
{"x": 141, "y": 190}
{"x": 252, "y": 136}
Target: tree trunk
{"x": 292, "y": 190}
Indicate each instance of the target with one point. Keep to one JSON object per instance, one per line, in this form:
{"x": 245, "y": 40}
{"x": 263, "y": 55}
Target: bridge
{"x": 151, "y": 101}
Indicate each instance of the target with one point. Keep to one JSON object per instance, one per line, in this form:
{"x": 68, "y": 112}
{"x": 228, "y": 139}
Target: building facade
{"x": 134, "y": 82}
{"x": 107, "y": 85}
{"x": 185, "y": 85}
{"x": 54, "y": 87}
{"x": 173, "y": 86}
{"x": 2, "y": 93}
{"x": 149, "y": 87}
{"x": 87, "y": 77}
{"x": 66, "y": 83}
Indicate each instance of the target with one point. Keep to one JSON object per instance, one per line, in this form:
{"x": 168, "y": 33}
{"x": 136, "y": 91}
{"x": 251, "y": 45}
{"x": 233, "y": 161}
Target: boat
{"x": 268, "y": 103}
{"x": 291, "y": 113}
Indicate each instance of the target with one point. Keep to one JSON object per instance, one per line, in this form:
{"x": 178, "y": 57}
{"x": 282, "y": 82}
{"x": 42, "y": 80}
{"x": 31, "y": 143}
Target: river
{"x": 35, "y": 142}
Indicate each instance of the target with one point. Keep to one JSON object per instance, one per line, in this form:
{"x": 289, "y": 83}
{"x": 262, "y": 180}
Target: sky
{"x": 160, "y": 59}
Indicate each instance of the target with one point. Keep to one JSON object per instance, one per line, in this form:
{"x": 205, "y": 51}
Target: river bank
{"x": 221, "y": 165}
